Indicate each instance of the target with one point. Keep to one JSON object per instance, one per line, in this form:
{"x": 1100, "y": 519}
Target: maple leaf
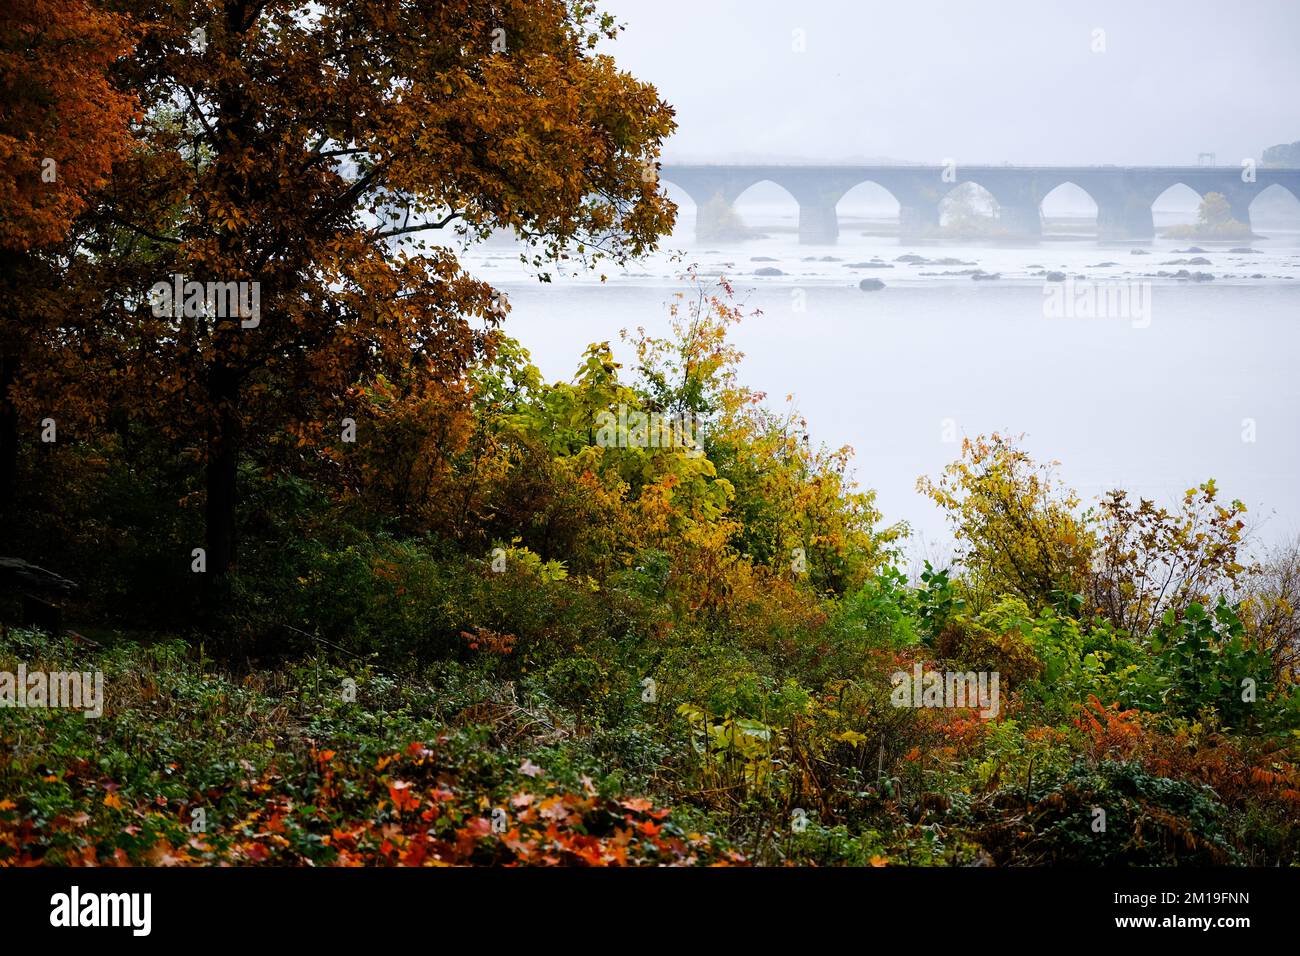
{"x": 399, "y": 791}
{"x": 518, "y": 845}
{"x": 164, "y": 854}
{"x": 416, "y": 852}
{"x": 530, "y": 769}
{"x": 588, "y": 849}
{"x": 553, "y": 808}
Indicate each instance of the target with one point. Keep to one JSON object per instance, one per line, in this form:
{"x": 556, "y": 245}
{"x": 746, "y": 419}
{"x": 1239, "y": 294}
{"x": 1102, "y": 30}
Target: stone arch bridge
{"x": 1123, "y": 194}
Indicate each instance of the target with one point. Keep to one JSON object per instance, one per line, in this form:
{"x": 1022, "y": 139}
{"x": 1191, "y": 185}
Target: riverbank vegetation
{"x": 1214, "y": 221}
{"x": 540, "y": 649}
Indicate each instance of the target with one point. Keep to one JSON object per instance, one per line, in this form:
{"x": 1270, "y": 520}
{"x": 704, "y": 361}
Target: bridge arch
{"x": 767, "y": 203}
{"x": 868, "y": 200}
{"x": 966, "y": 184}
{"x": 1293, "y": 189}
{"x": 1177, "y": 204}
{"x": 1281, "y": 204}
{"x": 969, "y": 209}
{"x": 990, "y": 203}
{"x": 1069, "y": 204}
{"x": 1277, "y": 189}
{"x": 688, "y": 208}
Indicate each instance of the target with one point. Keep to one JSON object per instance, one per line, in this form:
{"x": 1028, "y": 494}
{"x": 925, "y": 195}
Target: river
{"x": 1199, "y": 380}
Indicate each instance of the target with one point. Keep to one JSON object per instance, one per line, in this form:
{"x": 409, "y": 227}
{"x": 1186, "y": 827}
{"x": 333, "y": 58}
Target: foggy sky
{"x": 992, "y": 81}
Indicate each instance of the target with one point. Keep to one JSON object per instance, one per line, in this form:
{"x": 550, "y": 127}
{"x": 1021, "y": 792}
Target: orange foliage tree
{"x": 314, "y": 154}
{"x": 62, "y": 127}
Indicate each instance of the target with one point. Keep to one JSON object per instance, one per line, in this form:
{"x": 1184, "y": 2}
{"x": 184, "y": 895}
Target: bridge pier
{"x": 1241, "y": 212}
{"x": 818, "y": 223}
{"x": 1021, "y": 220}
{"x": 918, "y": 219}
{"x": 715, "y": 219}
{"x": 1128, "y": 217}
{"x": 1239, "y": 201}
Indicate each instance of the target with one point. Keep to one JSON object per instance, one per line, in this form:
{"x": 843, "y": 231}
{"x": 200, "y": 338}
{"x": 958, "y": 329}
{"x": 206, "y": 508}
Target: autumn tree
{"x": 1214, "y": 211}
{"x": 311, "y": 151}
{"x": 62, "y": 126}
{"x": 1018, "y": 530}
{"x": 1150, "y": 560}
{"x": 794, "y": 507}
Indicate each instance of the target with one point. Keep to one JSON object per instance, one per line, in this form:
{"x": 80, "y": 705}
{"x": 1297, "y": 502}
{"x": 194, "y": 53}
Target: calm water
{"x": 1154, "y": 403}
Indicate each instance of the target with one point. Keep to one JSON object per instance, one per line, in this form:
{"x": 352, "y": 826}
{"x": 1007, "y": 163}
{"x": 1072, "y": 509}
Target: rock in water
{"x": 871, "y": 285}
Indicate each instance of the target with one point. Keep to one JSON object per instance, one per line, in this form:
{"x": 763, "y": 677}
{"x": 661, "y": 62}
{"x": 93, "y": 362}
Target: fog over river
{"x": 1200, "y": 382}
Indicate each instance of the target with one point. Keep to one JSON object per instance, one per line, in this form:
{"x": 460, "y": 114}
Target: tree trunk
{"x": 223, "y": 465}
{"x": 11, "y": 326}
{"x": 8, "y": 449}
{"x": 234, "y": 126}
